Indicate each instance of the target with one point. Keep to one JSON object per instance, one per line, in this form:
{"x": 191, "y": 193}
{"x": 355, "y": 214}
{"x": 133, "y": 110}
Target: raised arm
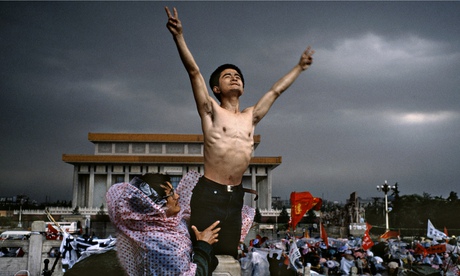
{"x": 263, "y": 105}
{"x": 200, "y": 92}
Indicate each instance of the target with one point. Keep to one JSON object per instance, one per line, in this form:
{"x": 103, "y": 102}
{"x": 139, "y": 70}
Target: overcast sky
{"x": 380, "y": 102}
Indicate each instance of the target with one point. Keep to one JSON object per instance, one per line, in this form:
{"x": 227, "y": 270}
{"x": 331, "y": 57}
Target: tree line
{"x": 410, "y": 214}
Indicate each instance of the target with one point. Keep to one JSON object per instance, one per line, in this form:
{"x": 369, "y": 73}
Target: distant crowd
{"x": 264, "y": 256}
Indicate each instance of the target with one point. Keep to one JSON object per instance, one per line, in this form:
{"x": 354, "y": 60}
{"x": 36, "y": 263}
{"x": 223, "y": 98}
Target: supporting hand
{"x": 209, "y": 234}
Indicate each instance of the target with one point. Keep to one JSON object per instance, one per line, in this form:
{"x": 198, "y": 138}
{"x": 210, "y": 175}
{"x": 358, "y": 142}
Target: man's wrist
{"x": 300, "y": 67}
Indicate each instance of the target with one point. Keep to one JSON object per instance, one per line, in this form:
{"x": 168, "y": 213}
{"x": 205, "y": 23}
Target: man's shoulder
{"x": 249, "y": 109}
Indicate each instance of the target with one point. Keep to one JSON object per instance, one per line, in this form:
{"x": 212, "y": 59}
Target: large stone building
{"x": 118, "y": 157}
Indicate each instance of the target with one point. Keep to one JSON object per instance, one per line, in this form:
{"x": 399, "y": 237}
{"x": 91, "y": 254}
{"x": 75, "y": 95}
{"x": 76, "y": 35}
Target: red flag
{"x": 300, "y": 204}
{"x": 51, "y": 229}
{"x": 317, "y": 203}
{"x": 324, "y": 235}
{"x": 419, "y": 249}
{"x": 390, "y": 234}
{"x": 445, "y": 231}
{"x": 367, "y": 241}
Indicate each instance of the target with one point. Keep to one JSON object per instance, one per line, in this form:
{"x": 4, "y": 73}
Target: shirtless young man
{"x": 228, "y": 139}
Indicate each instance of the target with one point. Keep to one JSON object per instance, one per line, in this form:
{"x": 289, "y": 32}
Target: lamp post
{"x": 21, "y": 202}
{"x": 20, "y": 213}
{"x": 385, "y": 188}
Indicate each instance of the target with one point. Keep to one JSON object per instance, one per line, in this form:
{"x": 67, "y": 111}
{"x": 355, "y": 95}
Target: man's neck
{"x": 232, "y": 104}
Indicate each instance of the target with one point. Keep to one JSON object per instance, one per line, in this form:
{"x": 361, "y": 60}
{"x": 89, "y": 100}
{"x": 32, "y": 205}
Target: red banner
{"x": 301, "y": 203}
{"x": 439, "y": 248}
{"x": 390, "y": 234}
{"x": 419, "y": 249}
{"x": 324, "y": 235}
{"x": 317, "y": 203}
{"x": 367, "y": 241}
{"x": 434, "y": 249}
{"x": 51, "y": 229}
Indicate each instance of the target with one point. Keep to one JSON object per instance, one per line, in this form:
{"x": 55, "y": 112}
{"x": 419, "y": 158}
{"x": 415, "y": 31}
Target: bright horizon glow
{"x": 425, "y": 118}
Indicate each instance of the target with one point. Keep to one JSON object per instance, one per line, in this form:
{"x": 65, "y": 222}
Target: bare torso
{"x": 228, "y": 136}
{"x": 228, "y": 145}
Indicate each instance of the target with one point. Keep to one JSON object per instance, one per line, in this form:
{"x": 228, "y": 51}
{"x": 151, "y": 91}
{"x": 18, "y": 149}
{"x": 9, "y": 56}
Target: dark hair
{"x": 214, "y": 79}
{"x": 155, "y": 181}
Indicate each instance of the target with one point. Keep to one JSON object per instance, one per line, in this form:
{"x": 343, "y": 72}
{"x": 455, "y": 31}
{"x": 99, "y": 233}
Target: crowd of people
{"x": 164, "y": 230}
{"x": 264, "y": 256}
{"x": 153, "y": 239}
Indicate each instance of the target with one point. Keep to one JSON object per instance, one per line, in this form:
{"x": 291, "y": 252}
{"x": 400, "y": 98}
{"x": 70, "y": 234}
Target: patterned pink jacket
{"x": 149, "y": 242}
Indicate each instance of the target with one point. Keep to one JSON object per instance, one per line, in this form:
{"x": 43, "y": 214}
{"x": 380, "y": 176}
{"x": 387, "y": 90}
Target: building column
{"x": 109, "y": 177}
{"x": 253, "y": 184}
{"x": 126, "y": 169}
{"x": 108, "y": 184}
{"x": 75, "y": 186}
{"x": 269, "y": 189}
{"x": 89, "y": 204}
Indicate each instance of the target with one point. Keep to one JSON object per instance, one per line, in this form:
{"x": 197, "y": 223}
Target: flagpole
{"x": 320, "y": 223}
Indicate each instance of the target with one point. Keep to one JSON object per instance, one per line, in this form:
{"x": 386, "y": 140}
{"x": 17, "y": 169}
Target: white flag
{"x": 294, "y": 253}
{"x": 434, "y": 233}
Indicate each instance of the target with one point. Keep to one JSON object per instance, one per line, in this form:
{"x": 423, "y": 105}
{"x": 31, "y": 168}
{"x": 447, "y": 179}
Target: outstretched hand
{"x": 306, "y": 59}
{"x": 209, "y": 234}
{"x": 174, "y": 25}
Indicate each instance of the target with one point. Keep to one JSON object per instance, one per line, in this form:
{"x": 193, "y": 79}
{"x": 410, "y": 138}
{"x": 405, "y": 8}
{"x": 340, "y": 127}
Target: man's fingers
{"x": 309, "y": 51}
{"x": 195, "y": 230}
{"x": 212, "y": 226}
{"x": 176, "y": 15}
{"x": 168, "y": 12}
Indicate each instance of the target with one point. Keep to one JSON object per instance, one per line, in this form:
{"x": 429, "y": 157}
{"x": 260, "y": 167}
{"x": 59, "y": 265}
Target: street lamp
{"x": 386, "y": 188}
{"x": 21, "y": 202}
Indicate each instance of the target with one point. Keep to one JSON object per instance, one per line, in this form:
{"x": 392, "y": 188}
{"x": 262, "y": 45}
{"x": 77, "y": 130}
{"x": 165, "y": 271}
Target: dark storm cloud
{"x": 379, "y": 103}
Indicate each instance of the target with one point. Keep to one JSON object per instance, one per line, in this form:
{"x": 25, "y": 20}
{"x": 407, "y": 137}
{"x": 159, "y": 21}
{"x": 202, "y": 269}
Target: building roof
{"x": 152, "y": 159}
{"x": 163, "y": 159}
{"x": 150, "y": 137}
